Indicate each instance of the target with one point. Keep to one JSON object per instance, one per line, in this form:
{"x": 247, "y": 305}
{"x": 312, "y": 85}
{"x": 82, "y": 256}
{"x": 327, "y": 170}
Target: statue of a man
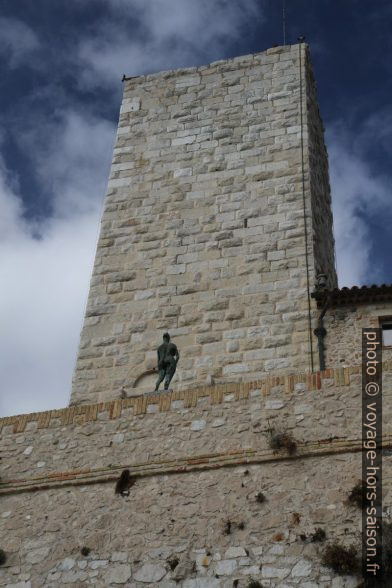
{"x": 168, "y": 357}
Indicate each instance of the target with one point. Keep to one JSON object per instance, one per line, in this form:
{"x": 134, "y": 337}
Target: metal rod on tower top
{"x": 284, "y": 20}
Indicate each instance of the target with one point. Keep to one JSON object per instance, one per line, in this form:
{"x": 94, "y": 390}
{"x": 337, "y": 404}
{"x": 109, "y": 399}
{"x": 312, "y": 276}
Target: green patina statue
{"x": 168, "y": 357}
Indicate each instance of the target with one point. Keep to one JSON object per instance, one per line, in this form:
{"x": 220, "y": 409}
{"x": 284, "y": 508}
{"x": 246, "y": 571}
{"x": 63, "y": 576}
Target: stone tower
{"x": 245, "y": 481}
{"x": 217, "y": 221}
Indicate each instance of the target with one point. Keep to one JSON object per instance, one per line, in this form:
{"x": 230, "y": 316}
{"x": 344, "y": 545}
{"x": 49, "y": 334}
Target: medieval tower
{"x": 217, "y": 221}
{"x": 217, "y": 227}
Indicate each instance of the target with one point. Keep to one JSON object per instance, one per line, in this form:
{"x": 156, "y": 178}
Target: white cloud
{"x": 358, "y": 196}
{"x": 17, "y": 41}
{"x": 71, "y": 158}
{"x": 45, "y": 281}
{"x": 41, "y": 313}
{"x": 171, "y": 34}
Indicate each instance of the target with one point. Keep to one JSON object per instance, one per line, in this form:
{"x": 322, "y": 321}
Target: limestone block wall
{"x": 199, "y": 458}
{"x": 203, "y": 228}
{"x": 344, "y": 326}
{"x": 321, "y": 237}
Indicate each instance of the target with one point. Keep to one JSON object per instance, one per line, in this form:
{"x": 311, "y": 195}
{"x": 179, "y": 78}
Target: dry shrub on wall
{"x": 3, "y": 557}
{"x": 343, "y": 560}
{"x": 281, "y": 440}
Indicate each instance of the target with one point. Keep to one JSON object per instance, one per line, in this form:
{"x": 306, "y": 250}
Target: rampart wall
{"x": 200, "y": 457}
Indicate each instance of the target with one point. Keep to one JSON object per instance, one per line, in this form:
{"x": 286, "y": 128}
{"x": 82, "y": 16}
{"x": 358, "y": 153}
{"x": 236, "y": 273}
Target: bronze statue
{"x": 168, "y": 357}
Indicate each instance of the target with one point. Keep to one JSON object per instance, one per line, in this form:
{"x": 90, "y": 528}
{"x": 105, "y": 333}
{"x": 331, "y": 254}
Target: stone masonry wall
{"x": 134, "y": 541}
{"x": 199, "y": 458}
{"x": 203, "y": 227}
{"x": 321, "y": 227}
{"x": 344, "y": 331}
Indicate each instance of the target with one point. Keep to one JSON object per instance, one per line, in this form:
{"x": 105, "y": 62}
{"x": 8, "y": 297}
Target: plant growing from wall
{"x": 230, "y": 525}
{"x": 281, "y": 440}
{"x": 173, "y": 562}
{"x": 387, "y": 550}
{"x": 3, "y": 557}
{"x": 343, "y": 560}
{"x": 357, "y": 495}
{"x": 227, "y": 527}
{"x": 254, "y": 584}
{"x": 124, "y": 483}
{"x": 318, "y": 536}
{"x": 295, "y": 519}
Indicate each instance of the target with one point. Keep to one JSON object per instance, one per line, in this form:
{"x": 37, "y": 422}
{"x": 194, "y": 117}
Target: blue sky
{"x": 60, "y": 91}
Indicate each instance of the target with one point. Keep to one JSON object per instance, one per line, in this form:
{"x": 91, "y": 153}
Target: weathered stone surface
{"x": 344, "y": 582}
{"x": 74, "y": 576}
{"x": 274, "y": 404}
{"x": 218, "y": 422}
{"x": 150, "y": 573}
{"x": 198, "y": 425}
{"x": 184, "y": 569}
{"x": 235, "y": 552}
{"x": 186, "y": 514}
{"x": 201, "y": 583}
{"x": 98, "y": 563}
{"x": 37, "y": 555}
{"x": 301, "y": 569}
{"x": 225, "y": 567}
{"x": 118, "y": 438}
{"x": 250, "y": 571}
{"x": 272, "y": 572}
{"x": 118, "y": 574}
{"x": 119, "y": 556}
{"x": 67, "y": 564}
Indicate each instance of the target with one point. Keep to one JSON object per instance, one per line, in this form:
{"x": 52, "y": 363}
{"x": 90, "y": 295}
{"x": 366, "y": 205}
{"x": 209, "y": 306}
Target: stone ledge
{"x": 337, "y": 377}
{"x": 182, "y": 465}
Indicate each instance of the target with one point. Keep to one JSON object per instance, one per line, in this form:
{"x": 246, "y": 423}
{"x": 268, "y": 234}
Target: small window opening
{"x": 245, "y": 223}
{"x": 386, "y": 326}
